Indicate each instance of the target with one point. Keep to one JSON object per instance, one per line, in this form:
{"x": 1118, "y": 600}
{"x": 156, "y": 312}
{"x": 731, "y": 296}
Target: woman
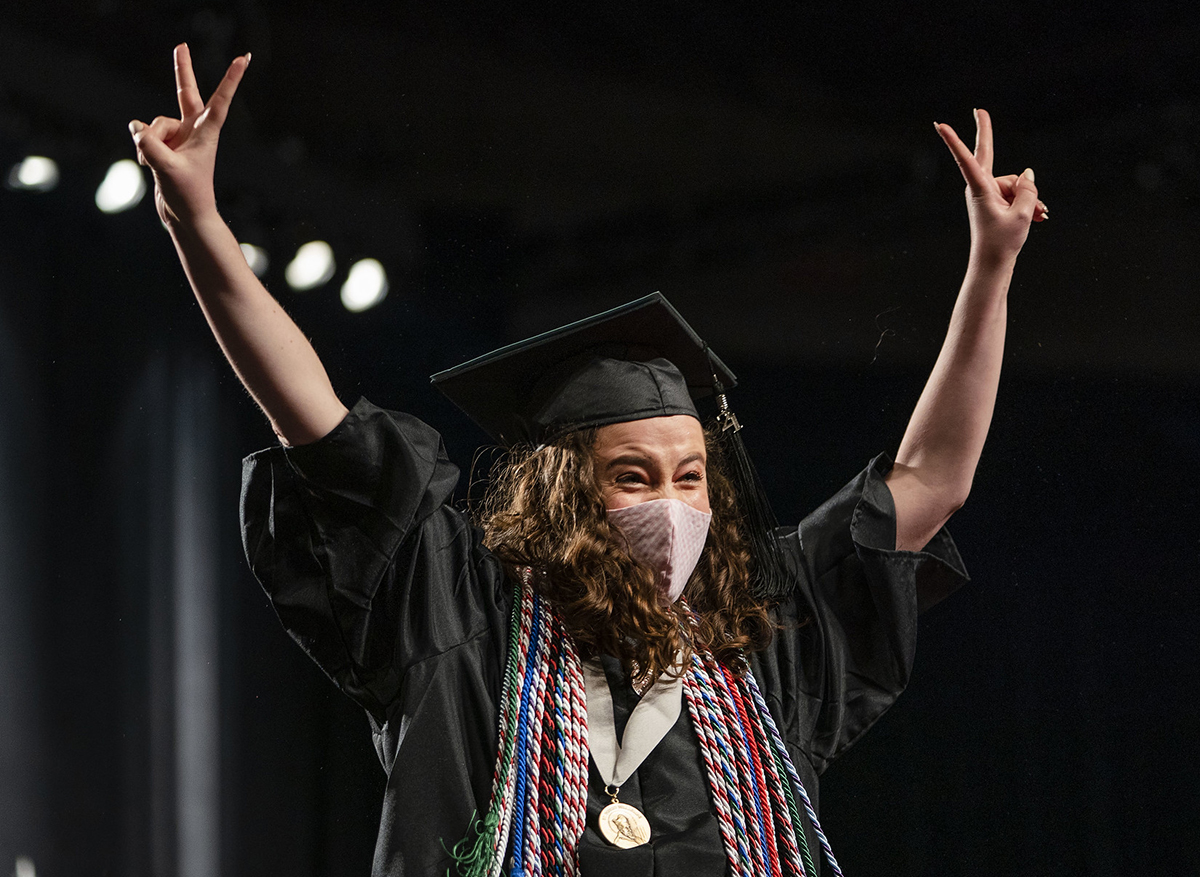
{"x": 540, "y": 699}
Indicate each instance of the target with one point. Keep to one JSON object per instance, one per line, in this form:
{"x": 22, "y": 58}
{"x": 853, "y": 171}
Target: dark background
{"x": 771, "y": 168}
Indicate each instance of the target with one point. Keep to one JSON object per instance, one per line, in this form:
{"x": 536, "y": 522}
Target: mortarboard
{"x": 635, "y": 361}
{"x": 638, "y": 360}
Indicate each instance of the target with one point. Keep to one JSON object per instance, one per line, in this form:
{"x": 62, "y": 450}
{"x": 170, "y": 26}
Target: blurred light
{"x": 123, "y": 187}
{"x": 311, "y": 267}
{"x": 24, "y": 867}
{"x": 256, "y": 258}
{"x": 35, "y": 173}
{"x": 365, "y": 287}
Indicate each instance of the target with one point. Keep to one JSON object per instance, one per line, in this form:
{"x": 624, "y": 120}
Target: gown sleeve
{"x": 848, "y": 638}
{"x": 368, "y": 568}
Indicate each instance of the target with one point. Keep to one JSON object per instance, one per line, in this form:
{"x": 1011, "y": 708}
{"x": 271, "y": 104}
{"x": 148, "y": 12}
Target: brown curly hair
{"x": 543, "y": 509}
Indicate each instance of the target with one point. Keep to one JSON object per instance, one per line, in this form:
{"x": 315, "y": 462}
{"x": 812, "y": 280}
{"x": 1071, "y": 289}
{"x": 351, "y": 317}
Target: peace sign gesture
{"x": 1000, "y": 208}
{"x": 183, "y": 152}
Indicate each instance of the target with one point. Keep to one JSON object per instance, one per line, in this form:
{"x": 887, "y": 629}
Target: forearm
{"x": 936, "y": 462}
{"x": 949, "y": 425}
{"x": 269, "y": 353}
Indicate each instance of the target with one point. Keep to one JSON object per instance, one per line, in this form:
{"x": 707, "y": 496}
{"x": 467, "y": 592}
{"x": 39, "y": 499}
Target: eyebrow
{"x": 646, "y": 462}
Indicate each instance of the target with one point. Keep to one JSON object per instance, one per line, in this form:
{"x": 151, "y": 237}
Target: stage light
{"x": 256, "y": 258}
{"x": 311, "y": 267}
{"x": 365, "y": 287}
{"x": 123, "y": 187}
{"x": 34, "y": 173}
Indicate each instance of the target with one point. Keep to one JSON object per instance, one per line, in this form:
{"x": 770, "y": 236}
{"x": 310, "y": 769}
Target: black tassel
{"x": 771, "y": 580}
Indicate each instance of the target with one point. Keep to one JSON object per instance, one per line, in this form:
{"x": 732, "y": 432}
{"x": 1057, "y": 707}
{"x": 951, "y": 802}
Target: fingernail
{"x": 1028, "y": 174}
{"x": 135, "y": 127}
{"x": 247, "y": 59}
{"x": 937, "y": 127}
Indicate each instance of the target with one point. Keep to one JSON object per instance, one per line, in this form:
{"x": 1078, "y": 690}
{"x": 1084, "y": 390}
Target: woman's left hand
{"x": 1000, "y": 208}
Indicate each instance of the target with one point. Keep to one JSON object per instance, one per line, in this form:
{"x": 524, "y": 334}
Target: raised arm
{"x": 936, "y": 461}
{"x": 270, "y": 354}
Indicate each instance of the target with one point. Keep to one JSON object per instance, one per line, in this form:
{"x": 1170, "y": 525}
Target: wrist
{"x": 991, "y": 261}
{"x": 195, "y": 225}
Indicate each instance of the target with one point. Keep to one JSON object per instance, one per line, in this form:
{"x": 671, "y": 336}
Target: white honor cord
{"x": 654, "y": 715}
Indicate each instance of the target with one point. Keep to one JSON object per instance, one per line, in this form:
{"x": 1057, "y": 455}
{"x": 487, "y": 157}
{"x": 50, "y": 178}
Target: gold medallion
{"x": 624, "y": 826}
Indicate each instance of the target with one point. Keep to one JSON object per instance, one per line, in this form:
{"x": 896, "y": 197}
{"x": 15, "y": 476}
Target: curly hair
{"x": 543, "y": 509}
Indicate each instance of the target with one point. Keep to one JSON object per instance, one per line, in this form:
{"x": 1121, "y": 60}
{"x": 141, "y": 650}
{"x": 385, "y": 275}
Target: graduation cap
{"x": 638, "y": 360}
{"x": 633, "y": 362}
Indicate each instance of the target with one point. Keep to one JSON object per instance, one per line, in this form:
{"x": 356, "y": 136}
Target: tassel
{"x": 771, "y": 580}
{"x": 473, "y": 854}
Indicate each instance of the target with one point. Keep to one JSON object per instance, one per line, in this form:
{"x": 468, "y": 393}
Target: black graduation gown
{"x": 391, "y": 592}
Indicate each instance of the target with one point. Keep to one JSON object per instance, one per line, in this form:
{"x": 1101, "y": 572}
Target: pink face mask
{"x": 667, "y": 535}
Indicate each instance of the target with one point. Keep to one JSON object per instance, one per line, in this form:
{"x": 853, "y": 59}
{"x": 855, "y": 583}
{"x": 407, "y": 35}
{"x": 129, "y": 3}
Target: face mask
{"x": 668, "y": 536}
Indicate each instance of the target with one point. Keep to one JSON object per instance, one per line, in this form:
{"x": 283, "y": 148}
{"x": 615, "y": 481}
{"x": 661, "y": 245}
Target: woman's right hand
{"x": 182, "y": 152}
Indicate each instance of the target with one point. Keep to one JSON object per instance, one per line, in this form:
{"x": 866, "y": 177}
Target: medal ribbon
{"x": 654, "y": 715}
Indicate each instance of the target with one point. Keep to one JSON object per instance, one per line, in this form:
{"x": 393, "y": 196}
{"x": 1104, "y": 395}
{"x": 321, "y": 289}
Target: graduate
{"x": 620, "y": 666}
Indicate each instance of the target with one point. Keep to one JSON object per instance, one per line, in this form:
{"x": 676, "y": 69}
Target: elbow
{"x": 951, "y": 483}
{"x": 944, "y": 496}
{"x": 940, "y": 487}
{"x": 924, "y": 505}
{"x": 953, "y": 496}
